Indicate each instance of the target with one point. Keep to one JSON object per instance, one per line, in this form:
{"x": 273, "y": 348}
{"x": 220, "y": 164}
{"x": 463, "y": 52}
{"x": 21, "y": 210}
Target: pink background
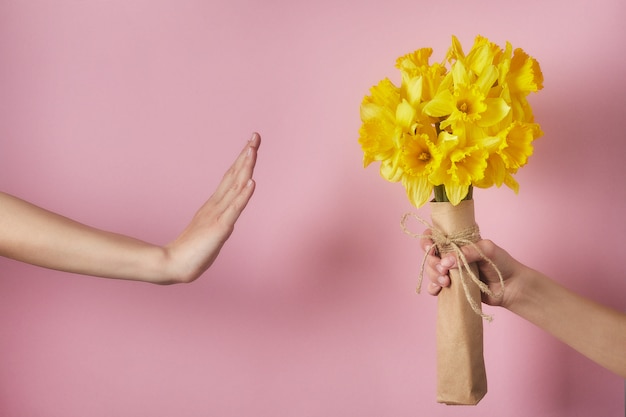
{"x": 124, "y": 114}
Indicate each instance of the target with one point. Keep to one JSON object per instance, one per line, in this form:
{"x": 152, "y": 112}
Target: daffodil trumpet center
{"x": 424, "y": 156}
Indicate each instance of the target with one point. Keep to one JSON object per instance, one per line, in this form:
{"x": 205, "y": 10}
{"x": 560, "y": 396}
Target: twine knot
{"x": 444, "y": 243}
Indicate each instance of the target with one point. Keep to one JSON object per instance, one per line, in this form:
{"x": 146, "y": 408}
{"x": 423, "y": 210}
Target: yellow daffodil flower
{"x": 468, "y": 101}
{"x": 420, "y": 158}
{"x": 416, "y": 64}
{"x": 459, "y": 167}
{"x": 457, "y": 127}
{"x": 379, "y": 135}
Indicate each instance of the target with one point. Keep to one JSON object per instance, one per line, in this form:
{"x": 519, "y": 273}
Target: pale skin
{"x": 594, "y": 330}
{"x": 37, "y": 236}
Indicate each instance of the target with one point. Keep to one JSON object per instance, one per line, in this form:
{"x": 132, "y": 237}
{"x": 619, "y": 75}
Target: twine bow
{"x": 444, "y": 243}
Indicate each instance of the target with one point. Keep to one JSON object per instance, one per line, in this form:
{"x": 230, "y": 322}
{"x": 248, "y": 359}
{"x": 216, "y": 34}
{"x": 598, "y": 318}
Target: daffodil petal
{"x": 456, "y": 50}
{"x": 413, "y": 86}
{"x": 480, "y": 57}
{"x": 447, "y": 141}
{"x": 418, "y": 189}
{"x": 496, "y": 110}
{"x": 390, "y": 170}
{"x": 459, "y": 74}
{"x": 487, "y": 79}
{"x": 525, "y": 74}
{"x": 456, "y": 192}
{"x": 510, "y": 182}
{"x": 441, "y": 105}
{"x": 405, "y": 114}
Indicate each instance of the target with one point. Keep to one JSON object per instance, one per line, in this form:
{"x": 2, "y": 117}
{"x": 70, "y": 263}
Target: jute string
{"x": 445, "y": 243}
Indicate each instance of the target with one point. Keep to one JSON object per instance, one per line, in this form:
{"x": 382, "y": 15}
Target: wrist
{"x": 523, "y": 289}
{"x": 154, "y": 264}
{"x": 168, "y": 267}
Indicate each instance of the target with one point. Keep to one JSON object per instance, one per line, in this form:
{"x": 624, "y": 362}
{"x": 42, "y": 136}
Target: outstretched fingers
{"x": 237, "y": 176}
{"x": 237, "y": 185}
{"x": 233, "y": 208}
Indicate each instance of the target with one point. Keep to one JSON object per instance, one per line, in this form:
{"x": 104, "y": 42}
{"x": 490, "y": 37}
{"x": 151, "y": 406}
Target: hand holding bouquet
{"x": 450, "y": 127}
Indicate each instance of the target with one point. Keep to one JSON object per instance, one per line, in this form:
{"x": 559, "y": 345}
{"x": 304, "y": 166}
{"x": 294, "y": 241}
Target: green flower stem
{"x": 440, "y": 193}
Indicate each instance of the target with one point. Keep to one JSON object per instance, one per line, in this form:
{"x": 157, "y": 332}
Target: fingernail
{"x": 439, "y": 268}
{"x": 254, "y": 137}
{"x": 447, "y": 262}
{"x": 249, "y": 183}
{"x": 441, "y": 280}
{"x": 428, "y": 248}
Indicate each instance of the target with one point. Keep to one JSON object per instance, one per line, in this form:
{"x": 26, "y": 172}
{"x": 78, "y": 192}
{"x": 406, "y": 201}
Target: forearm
{"x": 31, "y": 234}
{"x": 592, "y": 329}
{"x": 37, "y": 236}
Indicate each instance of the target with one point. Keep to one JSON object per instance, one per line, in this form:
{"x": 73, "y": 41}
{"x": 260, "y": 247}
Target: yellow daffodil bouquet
{"x": 447, "y": 128}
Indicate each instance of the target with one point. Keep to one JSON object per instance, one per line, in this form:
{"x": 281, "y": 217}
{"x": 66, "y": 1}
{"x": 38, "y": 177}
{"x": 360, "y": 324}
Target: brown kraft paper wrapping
{"x": 461, "y": 376}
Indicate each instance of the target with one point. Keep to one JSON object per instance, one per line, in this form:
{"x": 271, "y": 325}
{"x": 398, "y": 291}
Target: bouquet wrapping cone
{"x": 461, "y": 376}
